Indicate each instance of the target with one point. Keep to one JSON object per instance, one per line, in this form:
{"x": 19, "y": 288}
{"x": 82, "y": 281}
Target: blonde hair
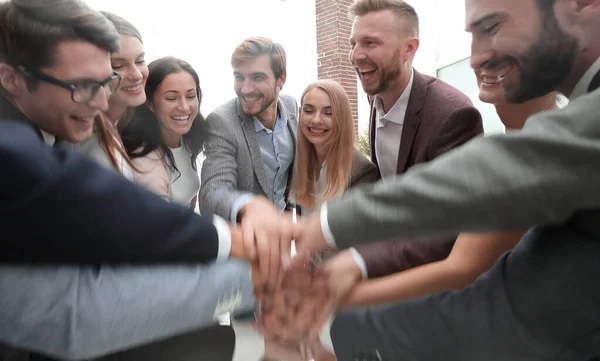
{"x": 403, "y": 11}
{"x": 340, "y": 150}
{"x": 254, "y": 47}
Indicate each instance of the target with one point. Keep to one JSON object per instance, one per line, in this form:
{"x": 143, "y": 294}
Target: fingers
{"x": 248, "y": 238}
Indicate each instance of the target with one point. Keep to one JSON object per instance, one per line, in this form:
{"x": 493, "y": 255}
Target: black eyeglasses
{"x": 80, "y": 93}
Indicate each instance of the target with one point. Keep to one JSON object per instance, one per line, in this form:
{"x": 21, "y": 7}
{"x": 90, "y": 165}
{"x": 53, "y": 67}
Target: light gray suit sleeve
{"x": 218, "y": 190}
{"x": 540, "y": 175}
{"x": 79, "y": 313}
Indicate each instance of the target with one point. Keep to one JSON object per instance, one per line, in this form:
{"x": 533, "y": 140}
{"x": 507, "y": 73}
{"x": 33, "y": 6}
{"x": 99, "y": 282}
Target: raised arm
{"x": 472, "y": 255}
{"x": 540, "y": 175}
{"x": 56, "y": 206}
{"x": 76, "y": 313}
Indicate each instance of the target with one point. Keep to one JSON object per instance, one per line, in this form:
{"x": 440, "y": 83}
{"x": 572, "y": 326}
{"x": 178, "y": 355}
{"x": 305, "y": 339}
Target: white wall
{"x": 205, "y": 33}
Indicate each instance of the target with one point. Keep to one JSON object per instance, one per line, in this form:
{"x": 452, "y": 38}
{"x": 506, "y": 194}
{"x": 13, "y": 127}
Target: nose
{"x": 356, "y": 53}
{"x": 247, "y": 87}
{"x": 100, "y": 99}
{"x": 135, "y": 74}
{"x": 182, "y": 104}
{"x": 481, "y": 53}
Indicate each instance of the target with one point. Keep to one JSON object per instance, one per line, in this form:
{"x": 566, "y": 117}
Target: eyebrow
{"x": 483, "y": 19}
{"x": 175, "y": 91}
{"x": 121, "y": 58}
{"x": 236, "y": 73}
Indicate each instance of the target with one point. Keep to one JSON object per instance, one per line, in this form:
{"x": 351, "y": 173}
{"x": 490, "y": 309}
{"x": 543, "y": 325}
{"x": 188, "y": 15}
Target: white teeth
{"x": 366, "y": 70}
{"x": 317, "y": 131}
{"x": 132, "y": 88}
{"x": 181, "y": 117}
{"x": 490, "y": 80}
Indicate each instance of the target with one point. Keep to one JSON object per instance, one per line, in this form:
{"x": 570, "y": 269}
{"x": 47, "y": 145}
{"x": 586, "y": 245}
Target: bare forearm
{"x": 431, "y": 278}
{"x": 471, "y": 256}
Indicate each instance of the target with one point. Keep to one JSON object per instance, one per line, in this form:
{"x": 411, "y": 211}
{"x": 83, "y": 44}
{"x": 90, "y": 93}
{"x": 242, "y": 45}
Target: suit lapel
{"x": 250, "y": 134}
{"x": 293, "y": 127}
{"x": 372, "y": 130}
{"x": 411, "y": 120}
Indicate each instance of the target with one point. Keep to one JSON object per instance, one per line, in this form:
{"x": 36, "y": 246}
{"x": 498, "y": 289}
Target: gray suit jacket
{"x": 233, "y": 165}
{"x": 542, "y": 174}
{"x": 547, "y": 174}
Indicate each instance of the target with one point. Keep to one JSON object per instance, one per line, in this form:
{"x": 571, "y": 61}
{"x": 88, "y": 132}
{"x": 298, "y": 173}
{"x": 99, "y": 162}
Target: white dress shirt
{"x": 582, "y": 85}
{"x": 388, "y": 130}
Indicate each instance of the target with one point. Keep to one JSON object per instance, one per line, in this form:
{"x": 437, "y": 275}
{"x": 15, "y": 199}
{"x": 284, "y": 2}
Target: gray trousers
{"x": 541, "y": 301}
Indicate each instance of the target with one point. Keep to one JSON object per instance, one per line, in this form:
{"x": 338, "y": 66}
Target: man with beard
{"x": 414, "y": 117}
{"x": 250, "y": 147}
{"x": 540, "y": 301}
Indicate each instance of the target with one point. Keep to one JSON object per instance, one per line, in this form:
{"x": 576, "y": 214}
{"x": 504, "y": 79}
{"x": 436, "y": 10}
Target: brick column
{"x": 333, "y": 47}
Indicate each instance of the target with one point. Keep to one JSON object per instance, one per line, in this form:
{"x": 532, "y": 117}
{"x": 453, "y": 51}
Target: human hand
{"x": 290, "y": 312}
{"x": 267, "y": 237}
{"x": 309, "y": 238}
{"x": 344, "y": 274}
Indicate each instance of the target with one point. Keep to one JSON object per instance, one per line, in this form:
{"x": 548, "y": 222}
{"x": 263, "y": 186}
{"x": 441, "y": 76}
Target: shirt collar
{"x": 49, "y": 139}
{"x": 258, "y": 126}
{"x": 398, "y": 111}
{"x": 582, "y": 85}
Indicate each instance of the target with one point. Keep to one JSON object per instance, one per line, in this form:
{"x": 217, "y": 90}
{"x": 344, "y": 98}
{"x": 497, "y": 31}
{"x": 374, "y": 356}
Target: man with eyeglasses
{"x": 58, "y": 208}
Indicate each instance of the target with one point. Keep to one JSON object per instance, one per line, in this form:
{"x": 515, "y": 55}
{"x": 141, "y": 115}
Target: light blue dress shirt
{"x": 277, "y": 153}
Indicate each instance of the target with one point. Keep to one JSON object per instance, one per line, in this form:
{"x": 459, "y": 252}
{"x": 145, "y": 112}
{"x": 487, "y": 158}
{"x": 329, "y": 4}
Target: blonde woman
{"x": 327, "y": 163}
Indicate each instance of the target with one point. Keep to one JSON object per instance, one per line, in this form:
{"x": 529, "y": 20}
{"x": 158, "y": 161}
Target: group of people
{"x": 487, "y": 245}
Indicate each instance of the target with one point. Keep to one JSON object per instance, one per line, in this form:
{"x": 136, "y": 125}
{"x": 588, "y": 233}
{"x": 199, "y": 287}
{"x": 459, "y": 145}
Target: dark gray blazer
{"x": 541, "y": 300}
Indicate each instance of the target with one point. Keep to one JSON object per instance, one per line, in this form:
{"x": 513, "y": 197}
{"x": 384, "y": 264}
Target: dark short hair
{"x": 402, "y": 9}
{"x": 123, "y": 26}
{"x": 30, "y": 30}
{"x": 143, "y": 134}
{"x": 254, "y": 47}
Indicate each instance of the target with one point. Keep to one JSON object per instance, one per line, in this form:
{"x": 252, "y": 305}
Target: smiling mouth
{"x": 251, "y": 98}
{"x": 365, "y": 71}
{"x": 132, "y": 88}
{"x": 317, "y": 130}
{"x": 494, "y": 79}
{"x": 181, "y": 118}
{"x": 83, "y": 119}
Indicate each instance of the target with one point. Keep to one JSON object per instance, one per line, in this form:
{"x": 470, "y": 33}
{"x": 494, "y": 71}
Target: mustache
{"x": 499, "y": 63}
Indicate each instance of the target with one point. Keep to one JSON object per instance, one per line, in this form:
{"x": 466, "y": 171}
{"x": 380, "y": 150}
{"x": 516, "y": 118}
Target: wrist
{"x": 237, "y": 243}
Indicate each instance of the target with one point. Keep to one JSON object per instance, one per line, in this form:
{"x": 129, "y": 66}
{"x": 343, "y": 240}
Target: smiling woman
{"x": 165, "y": 135}
{"x": 326, "y": 161}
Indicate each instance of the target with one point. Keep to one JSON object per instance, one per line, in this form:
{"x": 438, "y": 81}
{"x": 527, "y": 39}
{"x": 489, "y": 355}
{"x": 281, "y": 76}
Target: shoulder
{"x": 443, "y": 94}
{"x": 288, "y": 101}
{"x": 20, "y": 143}
{"x": 151, "y": 162}
{"x": 363, "y": 170}
{"x": 226, "y": 111}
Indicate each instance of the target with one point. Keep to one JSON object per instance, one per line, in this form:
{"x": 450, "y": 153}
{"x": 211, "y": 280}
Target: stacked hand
{"x": 295, "y": 297}
{"x": 293, "y": 314}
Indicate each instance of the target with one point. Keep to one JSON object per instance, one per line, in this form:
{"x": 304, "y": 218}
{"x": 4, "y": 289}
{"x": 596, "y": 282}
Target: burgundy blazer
{"x": 438, "y": 118}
